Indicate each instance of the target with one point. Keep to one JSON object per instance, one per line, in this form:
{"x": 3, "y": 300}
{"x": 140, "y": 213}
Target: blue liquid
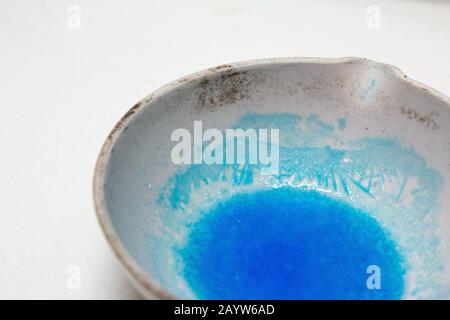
{"x": 289, "y": 244}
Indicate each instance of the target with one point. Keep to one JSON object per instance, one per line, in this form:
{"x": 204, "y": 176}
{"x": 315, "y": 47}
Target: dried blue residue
{"x": 386, "y": 187}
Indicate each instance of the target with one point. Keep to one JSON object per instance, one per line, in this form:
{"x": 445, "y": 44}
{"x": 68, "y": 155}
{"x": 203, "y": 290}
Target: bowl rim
{"x": 142, "y": 279}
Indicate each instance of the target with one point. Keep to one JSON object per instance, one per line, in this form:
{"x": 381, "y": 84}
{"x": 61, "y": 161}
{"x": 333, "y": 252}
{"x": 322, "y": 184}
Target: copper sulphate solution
{"x": 338, "y": 211}
{"x": 290, "y": 243}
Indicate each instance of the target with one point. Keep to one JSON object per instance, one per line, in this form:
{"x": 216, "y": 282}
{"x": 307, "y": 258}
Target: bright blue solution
{"x": 289, "y": 244}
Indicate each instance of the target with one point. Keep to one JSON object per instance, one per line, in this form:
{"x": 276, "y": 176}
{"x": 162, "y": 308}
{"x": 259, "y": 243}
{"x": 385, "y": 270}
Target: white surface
{"x": 63, "y": 89}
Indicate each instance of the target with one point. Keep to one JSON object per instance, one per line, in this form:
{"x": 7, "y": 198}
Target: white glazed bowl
{"x": 350, "y": 98}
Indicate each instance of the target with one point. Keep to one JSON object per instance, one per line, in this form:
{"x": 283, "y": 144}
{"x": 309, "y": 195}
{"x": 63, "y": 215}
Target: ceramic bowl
{"x": 380, "y": 141}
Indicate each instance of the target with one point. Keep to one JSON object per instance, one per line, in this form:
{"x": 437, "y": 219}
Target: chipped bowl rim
{"x": 142, "y": 280}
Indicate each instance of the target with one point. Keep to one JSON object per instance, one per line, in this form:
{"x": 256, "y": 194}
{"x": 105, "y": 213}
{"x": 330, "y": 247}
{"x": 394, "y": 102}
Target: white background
{"x": 62, "y": 88}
